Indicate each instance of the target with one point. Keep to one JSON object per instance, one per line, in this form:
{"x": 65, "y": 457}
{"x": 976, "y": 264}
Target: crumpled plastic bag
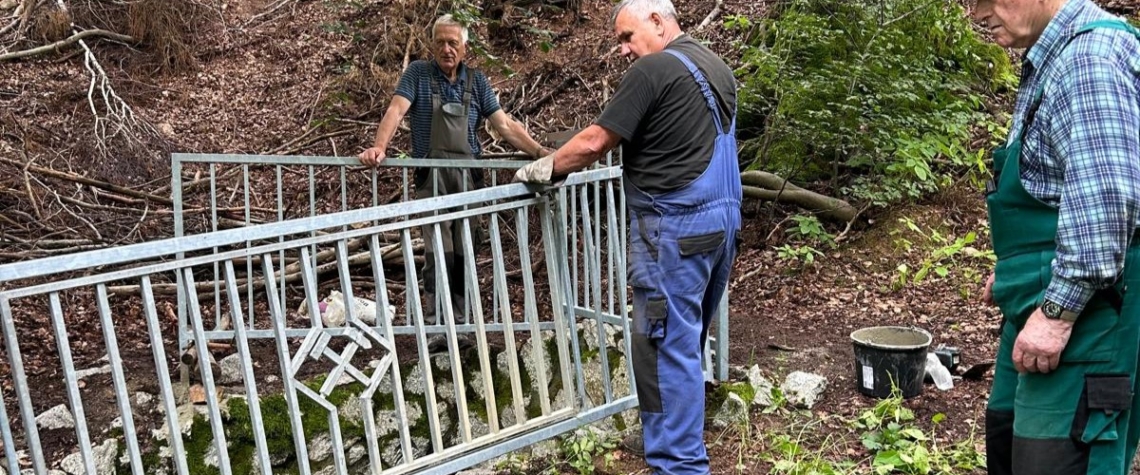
{"x": 938, "y": 373}
{"x": 332, "y": 310}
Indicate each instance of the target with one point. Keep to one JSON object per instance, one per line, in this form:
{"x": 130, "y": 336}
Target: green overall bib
{"x": 449, "y": 127}
{"x": 1082, "y": 417}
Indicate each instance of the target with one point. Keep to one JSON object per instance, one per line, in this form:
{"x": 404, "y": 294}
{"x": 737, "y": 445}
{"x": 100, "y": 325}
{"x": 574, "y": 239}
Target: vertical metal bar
{"x": 452, "y": 338}
{"x": 73, "y": 397}
{"x": 570, "y": 221}
{"x": 252, "y": 398}
{"x": 574, "y": 245}
{"x": 281, "y": 253}
{"x": 421, "y": 339}
{"x": 23, "y": 392}
{"x": 623, "y": 234}
{"x": 611, "y": 245}
{"x": 6, "y": 430}
{"x": 213, "y": 228}
{"x": 530, "y": 312}
{"x": 346, "y": 283}
{"x": 278, "y": 318}
{"x": 156, "y": 344}
{"x": 590, "y": 249}
{"x": 179, "y": 225}
{"x": 502, "y": 295}
{"x": 472, "y": 284}
{"x": 375, "y": 191}
{"x": 207, "y": 374}
{"x": 120, "y": 379}
{"x": 312, "y": 212}
{"x": 397, "y": 382}
{"x": 248, "y": 262}
{"x": 343, "y": 193}
{"x": 557, "y": 272}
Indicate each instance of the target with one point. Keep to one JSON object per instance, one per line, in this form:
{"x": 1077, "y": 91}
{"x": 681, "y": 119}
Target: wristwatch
{"x": 1054, "y": 311}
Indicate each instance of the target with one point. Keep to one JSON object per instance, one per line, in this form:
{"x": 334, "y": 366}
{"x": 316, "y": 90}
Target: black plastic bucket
{"x": 886, "y": 355}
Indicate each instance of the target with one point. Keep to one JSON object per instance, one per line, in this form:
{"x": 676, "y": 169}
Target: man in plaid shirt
{"x": 1064, "y": 204}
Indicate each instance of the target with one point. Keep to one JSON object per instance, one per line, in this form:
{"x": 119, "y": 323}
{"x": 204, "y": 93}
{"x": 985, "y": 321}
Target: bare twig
{"x": 78, "y": 37}
{"x": 711, "y": 16}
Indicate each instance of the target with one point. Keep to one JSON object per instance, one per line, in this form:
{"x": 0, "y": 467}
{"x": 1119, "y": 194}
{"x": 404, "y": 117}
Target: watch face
{"x": 1051, "y": 309}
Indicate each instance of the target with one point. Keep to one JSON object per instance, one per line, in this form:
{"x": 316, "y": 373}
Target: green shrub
{"x": 879, "y": 96}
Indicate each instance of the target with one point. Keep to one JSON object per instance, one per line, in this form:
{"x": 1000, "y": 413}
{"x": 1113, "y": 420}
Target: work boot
{"x": 634, "y": 443}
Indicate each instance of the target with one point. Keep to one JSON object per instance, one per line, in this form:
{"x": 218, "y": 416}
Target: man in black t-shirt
{"x": 674, "y": 115}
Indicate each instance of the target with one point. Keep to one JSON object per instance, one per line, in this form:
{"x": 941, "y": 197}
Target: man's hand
{"x": 538, "y": 171}
{"x": 1039, "y": 345}
{"x": 372, "y": 157}
{"x": 988, "y": 294}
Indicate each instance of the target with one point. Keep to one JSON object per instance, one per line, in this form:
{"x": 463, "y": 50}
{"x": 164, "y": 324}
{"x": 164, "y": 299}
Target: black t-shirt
{"x": 658, "y": 110}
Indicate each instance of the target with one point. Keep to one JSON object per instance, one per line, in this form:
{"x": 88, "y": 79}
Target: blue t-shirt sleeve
{"x": 407, "y": 86}
{"x": 488, "y": 102}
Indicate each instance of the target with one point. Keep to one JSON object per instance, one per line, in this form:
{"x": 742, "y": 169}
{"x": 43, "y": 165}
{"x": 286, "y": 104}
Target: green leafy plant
{"x": 944, "y": 255}
{"x": 583, "y": 445}
{"x": 804, "y": 254}
{"x": 899, "y": 446}
{"x": 880, "y": 97}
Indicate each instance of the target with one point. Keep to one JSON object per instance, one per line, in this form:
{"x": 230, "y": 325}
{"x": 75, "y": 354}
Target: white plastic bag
{"x": 941, "y": 376}
{"x": 333, "y": 312}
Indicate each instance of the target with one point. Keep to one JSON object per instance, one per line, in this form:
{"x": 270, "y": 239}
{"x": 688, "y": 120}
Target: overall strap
{"x": 1111, "y": 24}
{"x": 703, "y": 83}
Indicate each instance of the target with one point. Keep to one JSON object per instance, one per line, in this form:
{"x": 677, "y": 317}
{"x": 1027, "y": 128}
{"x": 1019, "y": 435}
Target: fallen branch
{"x": 712, "y": 15}
{"x": 66, "y": 42}
{"x": 88, "y": 181}
{"x": 770, "y": 187}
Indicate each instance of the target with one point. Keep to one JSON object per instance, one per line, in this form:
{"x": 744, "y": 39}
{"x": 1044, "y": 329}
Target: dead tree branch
{"x": 58, "y": 45}
{"x": 770, "y": 187}
{"x": 711, "y": 16}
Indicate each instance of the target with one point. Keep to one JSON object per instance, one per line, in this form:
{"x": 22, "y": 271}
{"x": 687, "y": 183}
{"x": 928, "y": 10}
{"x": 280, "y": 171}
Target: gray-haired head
{"x": 643, "y": 8}
{"x": 448, "y": 20}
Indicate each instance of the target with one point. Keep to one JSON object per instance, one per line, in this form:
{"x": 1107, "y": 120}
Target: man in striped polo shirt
{"x": 446, "y": 101}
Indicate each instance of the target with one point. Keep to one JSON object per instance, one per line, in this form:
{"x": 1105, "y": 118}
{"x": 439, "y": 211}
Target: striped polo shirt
{"x": 415, "y": 86}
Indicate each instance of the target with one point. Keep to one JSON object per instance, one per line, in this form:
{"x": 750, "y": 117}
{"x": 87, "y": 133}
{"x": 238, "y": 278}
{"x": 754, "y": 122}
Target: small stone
{"x": 761, "y": 386}
{"x": 144, "y": 402}
{"x": 734, "y": 411}
{"x": 117, "y": 423}
{"x": 320, "y": 448}
{"x": 803, "y": 389}
{"x": 211, "y": 458}
{"x": 84, "y": 373}
{"x": 231, "y": 370}
{"x": 356, "y": 453}
{"x": 58, "y": 417}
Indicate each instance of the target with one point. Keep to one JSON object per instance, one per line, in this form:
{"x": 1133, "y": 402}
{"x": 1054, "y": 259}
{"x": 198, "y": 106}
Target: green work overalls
{"x": 1082, "y": 417}
{"x": 449, "y": 128}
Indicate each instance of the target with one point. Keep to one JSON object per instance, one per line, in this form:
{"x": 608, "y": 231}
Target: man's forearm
{"x": 386, "y": 130}
{"x": 587, "y": 147}
{"x": 516, "y": 135}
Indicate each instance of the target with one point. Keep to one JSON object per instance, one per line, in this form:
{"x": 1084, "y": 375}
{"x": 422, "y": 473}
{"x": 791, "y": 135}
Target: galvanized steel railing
{"x": 239, "y": 286}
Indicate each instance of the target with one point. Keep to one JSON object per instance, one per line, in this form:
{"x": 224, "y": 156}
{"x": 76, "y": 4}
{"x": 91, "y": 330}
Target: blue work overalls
{"x": 682, "y": 245}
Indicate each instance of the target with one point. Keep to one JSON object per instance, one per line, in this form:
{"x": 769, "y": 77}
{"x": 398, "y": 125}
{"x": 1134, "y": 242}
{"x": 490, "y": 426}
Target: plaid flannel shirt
{"x": 1082, "y": 149}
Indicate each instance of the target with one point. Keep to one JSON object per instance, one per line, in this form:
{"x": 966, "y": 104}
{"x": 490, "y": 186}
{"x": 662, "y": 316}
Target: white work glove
{"x": 538, "y": 171}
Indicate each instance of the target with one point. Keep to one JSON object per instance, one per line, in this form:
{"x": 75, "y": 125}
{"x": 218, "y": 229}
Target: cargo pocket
{"x": 1105, "y": 398}
{"x": 649, "y": 305}
{"x": 693, "y": 245}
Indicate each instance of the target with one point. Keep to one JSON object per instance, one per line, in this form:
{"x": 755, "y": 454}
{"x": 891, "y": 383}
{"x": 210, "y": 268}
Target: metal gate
{"x": 545, "y": 312}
